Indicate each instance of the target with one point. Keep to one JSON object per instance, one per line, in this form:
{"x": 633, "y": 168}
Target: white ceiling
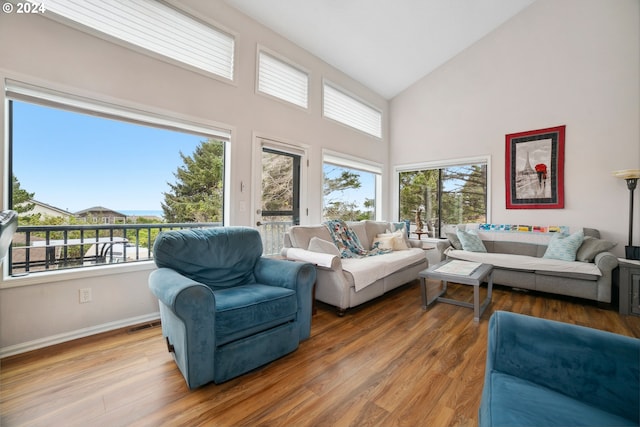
{"x": 387, "y": 45}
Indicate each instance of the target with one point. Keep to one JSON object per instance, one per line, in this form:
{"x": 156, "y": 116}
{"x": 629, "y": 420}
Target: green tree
{"x": 20, "y": 198}
{"x": 197, "y": 195}
{"x": 335, "y": 207}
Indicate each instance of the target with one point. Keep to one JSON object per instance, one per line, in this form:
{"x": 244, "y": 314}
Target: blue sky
{"x": 75, "y": 161}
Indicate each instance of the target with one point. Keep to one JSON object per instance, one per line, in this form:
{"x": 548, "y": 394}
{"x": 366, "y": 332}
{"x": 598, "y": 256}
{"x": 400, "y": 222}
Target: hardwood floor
{"x": 387, "y": 363}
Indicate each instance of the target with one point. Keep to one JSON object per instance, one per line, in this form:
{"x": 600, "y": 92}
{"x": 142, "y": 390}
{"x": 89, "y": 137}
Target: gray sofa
{"x": 518, "y": 262}
{"x": 346, "y": 282}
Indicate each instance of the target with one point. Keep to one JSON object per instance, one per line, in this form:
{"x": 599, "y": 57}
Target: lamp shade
{"x": 627, "y": 174}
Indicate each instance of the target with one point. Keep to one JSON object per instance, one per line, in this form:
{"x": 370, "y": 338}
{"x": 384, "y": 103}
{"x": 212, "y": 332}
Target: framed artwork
{"x": 534, "y": 169}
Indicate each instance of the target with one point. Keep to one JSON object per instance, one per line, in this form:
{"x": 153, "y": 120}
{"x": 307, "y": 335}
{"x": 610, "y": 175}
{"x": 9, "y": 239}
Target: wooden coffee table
{"x": 463, "y": 272}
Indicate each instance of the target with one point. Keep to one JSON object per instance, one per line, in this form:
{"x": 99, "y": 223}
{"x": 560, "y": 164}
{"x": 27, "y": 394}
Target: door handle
{"x": 258, "y": 223}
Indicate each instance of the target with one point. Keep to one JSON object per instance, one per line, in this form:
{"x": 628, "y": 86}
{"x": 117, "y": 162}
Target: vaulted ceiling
{"x": 387, "y": 45}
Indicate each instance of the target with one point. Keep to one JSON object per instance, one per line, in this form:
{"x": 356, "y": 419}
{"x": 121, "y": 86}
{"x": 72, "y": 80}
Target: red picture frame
{"x": 534, "y": 169}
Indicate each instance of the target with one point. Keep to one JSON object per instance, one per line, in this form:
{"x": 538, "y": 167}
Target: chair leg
{"x": 170, "y": 348}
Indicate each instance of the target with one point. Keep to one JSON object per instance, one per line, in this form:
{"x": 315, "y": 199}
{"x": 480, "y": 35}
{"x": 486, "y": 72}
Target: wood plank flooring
{"x": 387, "y": 363}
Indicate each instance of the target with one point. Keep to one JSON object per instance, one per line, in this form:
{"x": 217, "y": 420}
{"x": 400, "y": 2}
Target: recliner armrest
{"x": 167, "y": 285}
{"x": 299, "y": 276}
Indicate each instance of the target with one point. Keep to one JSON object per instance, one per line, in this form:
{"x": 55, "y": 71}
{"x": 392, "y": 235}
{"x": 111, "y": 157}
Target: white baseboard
{"x": 80, "y": 333}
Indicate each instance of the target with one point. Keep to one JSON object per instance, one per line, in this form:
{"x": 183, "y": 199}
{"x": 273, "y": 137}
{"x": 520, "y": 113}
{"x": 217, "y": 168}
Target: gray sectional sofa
{"x": 518, "y": 262}
{"x": 347, "y": 282}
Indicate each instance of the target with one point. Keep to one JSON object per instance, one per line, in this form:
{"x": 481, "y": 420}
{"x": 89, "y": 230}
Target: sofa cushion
{"x": 301, "y": 235}
{"x": 394, "y": 241}
{"x": 518, "y": 402}
{"x": 591, "y": 247}
{"x": 317, "y": 244}
{"x": 453, "y": 239}
{"x": 365, "y": 271}
{"x": 471, "y": 241}
{"x": 564, "y": 247}
{"x": 242, "y": 311}
{"x": 527, "y": 263}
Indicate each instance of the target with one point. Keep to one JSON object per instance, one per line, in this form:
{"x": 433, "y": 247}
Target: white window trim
{"x": 26, "y": 92}
{"x": 287, "y": 62}
{"x": 348, "y": 94}
{"x": 353, "y": 162}
{"x": 437, "y": 164}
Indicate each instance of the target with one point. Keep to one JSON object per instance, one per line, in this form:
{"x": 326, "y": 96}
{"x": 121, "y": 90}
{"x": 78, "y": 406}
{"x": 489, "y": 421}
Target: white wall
{"x": 568, "y": 62}
{"x": 43, "y": 52}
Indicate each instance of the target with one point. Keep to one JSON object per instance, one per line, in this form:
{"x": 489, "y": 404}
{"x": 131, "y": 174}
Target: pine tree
{"x": 20, "y": 198}
{"x": 197, "y": 195}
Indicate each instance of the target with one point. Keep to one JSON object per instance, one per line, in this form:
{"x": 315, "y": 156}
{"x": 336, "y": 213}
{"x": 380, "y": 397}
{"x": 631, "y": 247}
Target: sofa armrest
{"x": 318, "y": 259}
{"x": 440, "y": 245}
{"x": 590, "y": 365}
{"x": 606, "y": 262}
{"x": 299, "y": 276}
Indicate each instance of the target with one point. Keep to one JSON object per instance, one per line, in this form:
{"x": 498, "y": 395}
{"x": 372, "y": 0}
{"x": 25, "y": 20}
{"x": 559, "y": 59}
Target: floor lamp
{"x": 631, "y": 176}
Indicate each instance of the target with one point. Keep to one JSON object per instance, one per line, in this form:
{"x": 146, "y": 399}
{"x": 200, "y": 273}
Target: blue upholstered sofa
{"x": 225, "y": 309}
{"x": 545, "y": 373}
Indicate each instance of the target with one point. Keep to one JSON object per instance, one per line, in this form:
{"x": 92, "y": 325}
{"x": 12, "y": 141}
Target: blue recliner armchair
{"x": 546, "y": 373}
{"x": 225, "y": 309}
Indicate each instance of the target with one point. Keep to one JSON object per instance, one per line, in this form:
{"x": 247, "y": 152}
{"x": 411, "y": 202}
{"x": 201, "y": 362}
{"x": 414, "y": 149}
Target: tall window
{"x": 442, "y": 196}
{"x": 351, "y": 189}
{"x": 346, "y": 109}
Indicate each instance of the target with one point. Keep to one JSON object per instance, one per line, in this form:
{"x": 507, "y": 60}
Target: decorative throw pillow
{"x": 471, "y": 241}
{"x": 317, "y": 244}
{"x": 453, "y": 239}
{"x": 397, "y": 226}
{"x": 383, "y": 241}
{"x": 592, "y": 247}
{"x": 564, "y": 247}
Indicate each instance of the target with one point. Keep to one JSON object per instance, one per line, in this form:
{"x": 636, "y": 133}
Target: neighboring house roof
{"x": 99, "y": 210}
{"x": 42, "y": 207}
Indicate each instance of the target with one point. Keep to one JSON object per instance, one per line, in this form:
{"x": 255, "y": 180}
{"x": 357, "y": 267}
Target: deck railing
{"x": 41, "y": 248}
{"x": 44, "y": 248}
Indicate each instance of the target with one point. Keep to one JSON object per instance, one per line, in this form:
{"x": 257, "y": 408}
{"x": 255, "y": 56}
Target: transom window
{"x": 282, "y": 80}
{"x": 338, "y": 105}
{"x": 152, "y": 25}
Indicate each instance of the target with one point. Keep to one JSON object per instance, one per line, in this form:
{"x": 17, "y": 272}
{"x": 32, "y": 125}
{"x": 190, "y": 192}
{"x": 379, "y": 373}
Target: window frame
{"x": 15, "y": 90}
{"x": 355, "y": 100}
{"x": 356, "y": 163}
{"x": 441, "y": 164}
{"x": 285, "y": 62}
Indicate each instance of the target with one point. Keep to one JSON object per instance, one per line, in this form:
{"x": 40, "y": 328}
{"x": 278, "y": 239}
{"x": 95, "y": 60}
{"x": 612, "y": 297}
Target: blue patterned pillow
{"x": 564, "y": 247}
{"x": 471, "y": 241}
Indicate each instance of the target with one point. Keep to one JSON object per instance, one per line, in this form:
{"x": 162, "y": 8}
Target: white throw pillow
{"x": 383, "y": 241}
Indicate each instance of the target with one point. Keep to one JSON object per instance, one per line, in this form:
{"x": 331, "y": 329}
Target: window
{"x": 351, "y": 188}
{"x": 282, "y": 80}
{"x": 339, "y": 106}
{"x": 444, "y": 195}
{"x": 94, "y": 183}
{"x": 152, "y": 25}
